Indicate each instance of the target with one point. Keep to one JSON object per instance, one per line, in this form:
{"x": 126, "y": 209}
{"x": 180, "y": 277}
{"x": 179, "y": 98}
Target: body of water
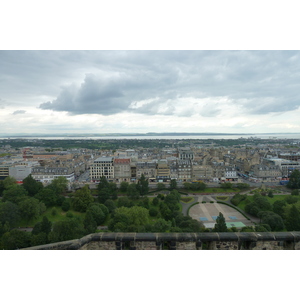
{"x": 164, "y": 137}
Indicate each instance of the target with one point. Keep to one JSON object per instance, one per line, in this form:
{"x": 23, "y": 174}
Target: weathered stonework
{"x": 99, "y": 246}
{"x": 181, "y": 241}
{"x": 186, "y": 246}
{"x": 263, "y": 245}
{"x": 145, "y": 246}
{"x": 227, "y": 246}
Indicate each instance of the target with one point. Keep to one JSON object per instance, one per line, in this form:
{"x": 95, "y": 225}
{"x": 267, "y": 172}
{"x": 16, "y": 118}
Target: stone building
{"x": 162, "y": 170}
{"x": 184, "y": 169}
{"x": 102, "y": 166}
{"x": 122, "y": 170}
{"x": 47, "y": 174}
{"x": 148, "y": 169}
{"x": 200, "y": 172}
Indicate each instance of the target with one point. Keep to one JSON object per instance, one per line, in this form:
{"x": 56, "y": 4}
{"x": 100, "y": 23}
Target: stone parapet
{"x": 180, "y": 241}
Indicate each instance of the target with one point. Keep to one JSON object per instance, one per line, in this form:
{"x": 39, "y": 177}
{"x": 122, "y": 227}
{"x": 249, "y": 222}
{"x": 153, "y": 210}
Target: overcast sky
{"x": 149, "y": 91}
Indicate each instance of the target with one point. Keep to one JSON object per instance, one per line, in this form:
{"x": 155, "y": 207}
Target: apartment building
{"x": 286, "y": 166}
{"x": 47, "y": 174}
{"x": 230, "y": 174}
{"x": 184, "y": 169}
{"x": 186, "y": 155}
{"x": 122, "y": 171}
{"x": 200, "y": 172}
{"x": 148, "y": 169}
{"x": 102, "y": 166}
{"x": 162, "y": 170}
{"x": 265, "y": 172}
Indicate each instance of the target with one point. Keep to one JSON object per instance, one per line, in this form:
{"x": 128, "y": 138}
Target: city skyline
{"x": 149, "y": 91}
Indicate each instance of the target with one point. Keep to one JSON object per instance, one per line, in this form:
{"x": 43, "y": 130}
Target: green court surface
{"x": 235, "y": 224}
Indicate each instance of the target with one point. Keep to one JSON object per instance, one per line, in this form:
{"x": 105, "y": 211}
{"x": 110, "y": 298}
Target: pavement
{"x": 209, "y": 210}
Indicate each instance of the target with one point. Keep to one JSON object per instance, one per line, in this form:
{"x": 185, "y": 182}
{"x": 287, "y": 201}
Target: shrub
{"x": 54, "y": 212}
{"x": 66, "y": 205}
{"x": 153, "y": 211}
{"x": 69, "y": 214}
{"x": 155, "y": 201}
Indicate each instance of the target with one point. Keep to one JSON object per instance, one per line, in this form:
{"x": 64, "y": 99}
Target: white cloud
{"x": 143, "y": 91}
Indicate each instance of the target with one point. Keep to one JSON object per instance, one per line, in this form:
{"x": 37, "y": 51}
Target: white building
{"x": 102, "y": 166}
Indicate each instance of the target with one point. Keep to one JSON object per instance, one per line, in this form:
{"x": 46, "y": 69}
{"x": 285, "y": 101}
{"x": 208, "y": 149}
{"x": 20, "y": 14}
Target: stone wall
{"x": 181, "y": 241}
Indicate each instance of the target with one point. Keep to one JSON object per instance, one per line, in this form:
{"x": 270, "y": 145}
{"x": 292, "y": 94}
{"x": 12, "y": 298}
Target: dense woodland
{"x": 114, "y": 144}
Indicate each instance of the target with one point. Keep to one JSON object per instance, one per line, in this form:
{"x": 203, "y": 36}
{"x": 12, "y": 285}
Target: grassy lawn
{"x": 187, "y": 199}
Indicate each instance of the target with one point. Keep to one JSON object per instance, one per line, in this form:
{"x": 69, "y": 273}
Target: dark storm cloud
{"x": 18, "y": 112}
{"x": 94, "y": 96}
{"x": 108, "y": 82}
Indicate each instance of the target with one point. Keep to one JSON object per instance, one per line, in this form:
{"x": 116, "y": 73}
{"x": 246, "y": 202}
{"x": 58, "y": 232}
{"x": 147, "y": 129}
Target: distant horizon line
{"x": 137, "y": 134}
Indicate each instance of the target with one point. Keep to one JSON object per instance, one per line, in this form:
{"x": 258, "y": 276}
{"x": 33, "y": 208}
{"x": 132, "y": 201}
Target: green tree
{"x": 160, "y": 186}
{"x": 143, "y": 185}
{"x": 111, "y": 205}
{"x": 272, "y": 219}
{"x": 9, "y": 181}
{"x": 90, "y": 225}
{"x": 278, "y": 207}
{"x": 103, "y": 183}
{"x": 82, "y": 199}
{"x": 31, "y": 185}
{"x": 226, "y": 185}
{"x": 136, "y": 215}
{"x": 291, "y": 199}
{"x": 292, "y": 222}
{"x": 220, "y": 225}
{"x": 59, "y": 185}
{"x": 1, "y": 188}
{"x": 48, "y": 196}
{"x": 15, "y": 194}
{"x": 295, "y": 192}
{"x": 69, "y": 229}
{"x": 161, "y": 225}
{"x": 103, "y": 195}
{"x": 44, "y": 226}
{"x": 173, "y": 184}
{"x": 9, "y": 214}
{"x": 29, "y": 209}
{"x": 15, "y": 239}
{"x": 258, "y": 204}
{"x": 66, "y": 205}
{"x": 155, "y": 201}
{"x": 242, "y": 186}
{"x": 39, "y": 239}
{"x": 153, "y": 211}
{"x": 133, "y": 192}
{"x": 294, "y": 181}
{"x": 95, "y": 210}
{"x": 124, "y": 201}
{"x": 123, "y": 186}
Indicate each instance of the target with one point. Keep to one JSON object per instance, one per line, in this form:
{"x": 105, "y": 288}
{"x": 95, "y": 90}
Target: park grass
{"x": 187, "y": 199}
